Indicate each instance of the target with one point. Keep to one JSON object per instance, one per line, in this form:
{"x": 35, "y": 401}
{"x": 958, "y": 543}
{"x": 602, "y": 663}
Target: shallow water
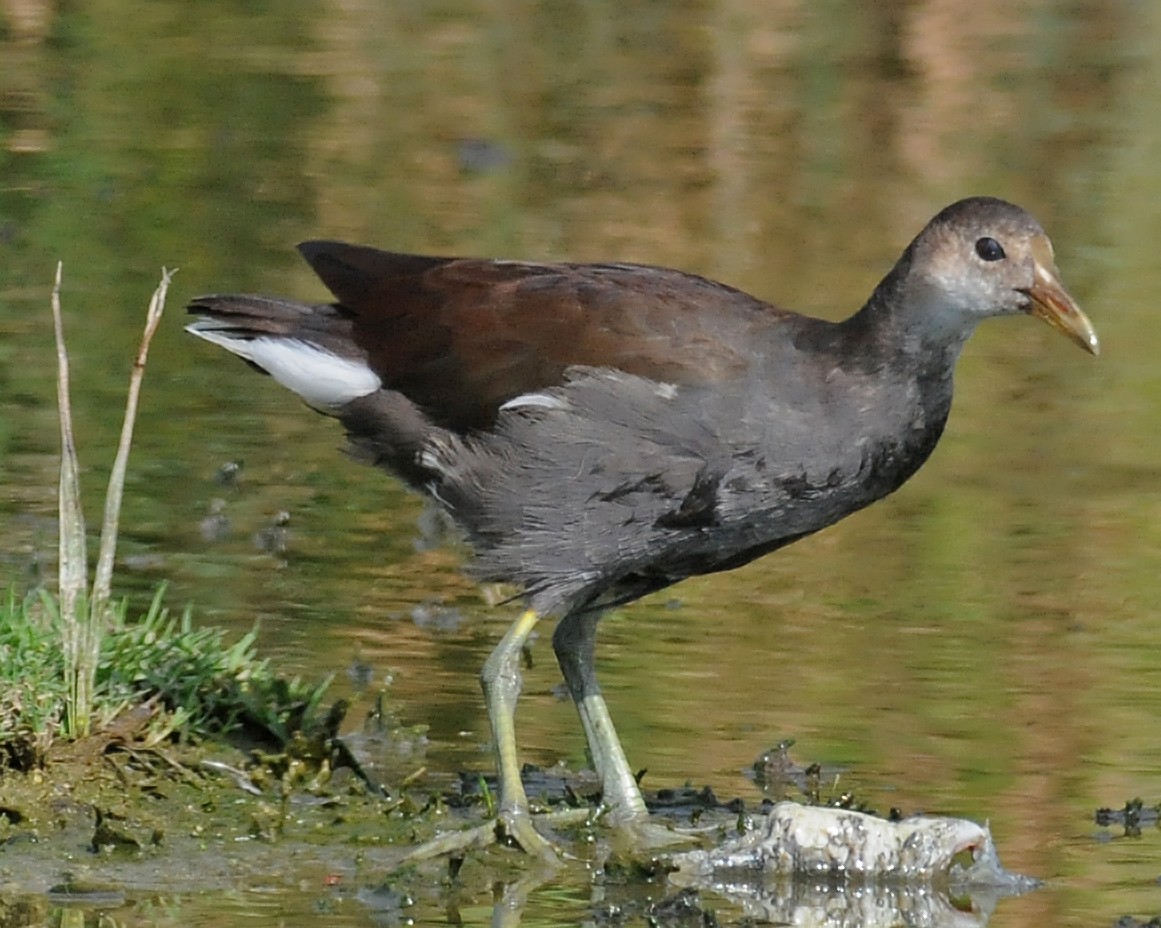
{"x": 984, "y": 643}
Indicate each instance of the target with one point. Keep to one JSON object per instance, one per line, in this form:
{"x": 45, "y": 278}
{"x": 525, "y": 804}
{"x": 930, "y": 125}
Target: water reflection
{"x": 984, "y": 643}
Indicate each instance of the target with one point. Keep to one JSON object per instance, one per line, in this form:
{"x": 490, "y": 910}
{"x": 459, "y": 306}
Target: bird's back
{"x": 461, "y": 337}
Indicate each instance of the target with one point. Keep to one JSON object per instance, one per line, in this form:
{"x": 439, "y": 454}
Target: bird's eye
{"x": 989, "y": 249}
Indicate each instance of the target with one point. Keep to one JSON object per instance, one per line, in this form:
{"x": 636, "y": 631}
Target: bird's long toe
{"x": 643, "y": 835}
{"x": 516, "y": 827}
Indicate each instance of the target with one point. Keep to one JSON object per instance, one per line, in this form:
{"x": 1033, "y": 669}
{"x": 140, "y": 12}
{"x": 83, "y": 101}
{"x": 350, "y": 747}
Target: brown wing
{"x": 459, "y": 337}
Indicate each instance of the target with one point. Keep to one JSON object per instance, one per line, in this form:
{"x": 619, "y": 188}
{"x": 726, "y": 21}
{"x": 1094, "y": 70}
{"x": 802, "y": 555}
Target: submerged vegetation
{"x": 72, "y": 663}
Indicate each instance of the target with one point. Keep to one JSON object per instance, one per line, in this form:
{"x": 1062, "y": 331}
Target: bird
{"x": 600, "y": 431}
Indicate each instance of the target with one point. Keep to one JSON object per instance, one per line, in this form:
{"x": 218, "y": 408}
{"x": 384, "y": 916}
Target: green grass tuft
{"x": 204, "y": 683}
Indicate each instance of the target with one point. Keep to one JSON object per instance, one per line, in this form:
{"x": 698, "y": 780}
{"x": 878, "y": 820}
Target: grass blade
{"x": 81, "y": 641}
{"x": 73, "y": 569}
{"x": 102, "y": 583}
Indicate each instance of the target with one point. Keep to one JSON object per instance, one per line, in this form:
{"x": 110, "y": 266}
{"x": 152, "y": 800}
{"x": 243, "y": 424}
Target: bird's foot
{"x": 643, "y": 833}
{"x": 511, "y": 828}
{"x": 516, "y": 827}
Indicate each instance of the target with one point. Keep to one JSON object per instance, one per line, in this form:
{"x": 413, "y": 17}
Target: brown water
{"x": 985, "y": 643}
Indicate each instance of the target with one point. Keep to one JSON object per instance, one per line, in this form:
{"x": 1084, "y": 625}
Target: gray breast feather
{"x": 546, "y": 495}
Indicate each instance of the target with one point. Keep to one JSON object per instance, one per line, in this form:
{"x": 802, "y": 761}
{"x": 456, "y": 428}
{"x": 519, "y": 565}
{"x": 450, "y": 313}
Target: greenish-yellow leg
{"x": 574, "y": 643}
{"x": 501, "y": 681}
{"x": 618, "y": 785}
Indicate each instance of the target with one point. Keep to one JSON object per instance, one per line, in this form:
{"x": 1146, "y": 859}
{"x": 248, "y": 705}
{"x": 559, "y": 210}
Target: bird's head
{"x": 985, "y": 257}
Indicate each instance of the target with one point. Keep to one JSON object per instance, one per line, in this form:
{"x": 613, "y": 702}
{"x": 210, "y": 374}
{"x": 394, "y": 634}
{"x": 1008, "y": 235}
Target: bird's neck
{"x": 903, "y": 337}
{"x": 906, "y": 326}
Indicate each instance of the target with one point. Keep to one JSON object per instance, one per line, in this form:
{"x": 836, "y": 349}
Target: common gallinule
{"x": 601, "y": 431}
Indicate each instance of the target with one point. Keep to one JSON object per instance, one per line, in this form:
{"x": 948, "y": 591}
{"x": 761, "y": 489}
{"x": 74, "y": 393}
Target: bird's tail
{"x": 306, "y": 348}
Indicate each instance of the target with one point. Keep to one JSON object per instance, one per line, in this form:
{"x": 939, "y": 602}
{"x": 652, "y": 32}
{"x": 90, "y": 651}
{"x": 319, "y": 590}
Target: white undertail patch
{"x": 320, "y": 377}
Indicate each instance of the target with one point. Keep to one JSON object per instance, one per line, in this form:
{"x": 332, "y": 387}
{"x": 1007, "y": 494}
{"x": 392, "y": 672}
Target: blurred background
{"x": 984, "y": 643}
